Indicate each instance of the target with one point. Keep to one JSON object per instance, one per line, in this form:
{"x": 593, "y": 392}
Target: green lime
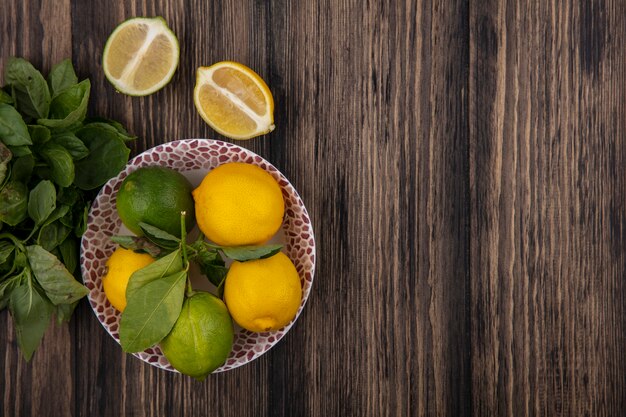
{"x": 141, "y": 56}
{"x": 155, "y": 195}
{"x": 202, "y": 337}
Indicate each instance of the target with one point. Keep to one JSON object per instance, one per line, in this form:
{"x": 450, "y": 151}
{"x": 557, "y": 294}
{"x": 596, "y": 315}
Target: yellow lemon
{"x": 234, "y": 100}
{"x": 239, "y": 204}
{"x": 263, "y": 295}
{"x": 120, "y": 267}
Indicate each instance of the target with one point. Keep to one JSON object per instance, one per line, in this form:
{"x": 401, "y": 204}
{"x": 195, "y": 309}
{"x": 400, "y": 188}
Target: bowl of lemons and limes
{"x": 232, "y": 198}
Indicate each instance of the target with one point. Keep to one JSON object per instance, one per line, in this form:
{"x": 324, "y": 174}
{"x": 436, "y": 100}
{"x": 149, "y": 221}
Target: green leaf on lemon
{"x": 138, "y": 244}
{"x": 165, "y": 266}
{"x": 210, "y": 262}
{"x": 152, "y": 311}
{"x": 248, "y": 253}
{"x": 159, "y": 237}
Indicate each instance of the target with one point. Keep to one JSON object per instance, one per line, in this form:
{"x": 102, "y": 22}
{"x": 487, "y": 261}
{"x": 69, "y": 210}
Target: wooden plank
{"x": 25, "y": 387}
{"x": 114, "y": 383}
{"x": 462, "y": 163}
{"x": 389, "y": 321}
{"x": 393, "y": 263}
{"x": 44, "y": 42}
{"x": 547, "y": 221}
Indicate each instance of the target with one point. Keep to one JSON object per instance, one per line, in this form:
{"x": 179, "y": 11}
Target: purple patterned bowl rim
{"x": 304, "y": 259}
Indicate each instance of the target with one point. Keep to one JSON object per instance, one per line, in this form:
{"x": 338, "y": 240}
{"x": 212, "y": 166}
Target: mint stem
{"x": 15, "y": 240}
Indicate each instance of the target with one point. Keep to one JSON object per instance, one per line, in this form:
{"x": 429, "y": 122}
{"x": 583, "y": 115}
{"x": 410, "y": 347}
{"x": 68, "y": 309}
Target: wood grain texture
{"x": 462, "y": 163}
{"x": 547, "y": 148}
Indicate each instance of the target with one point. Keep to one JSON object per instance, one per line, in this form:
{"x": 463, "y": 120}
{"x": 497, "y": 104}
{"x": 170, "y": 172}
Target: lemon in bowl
{"x": 239, "y": 204}
{"x": 263, "y": 295}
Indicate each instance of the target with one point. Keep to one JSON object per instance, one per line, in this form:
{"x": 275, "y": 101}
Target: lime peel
{"x": 124, "y": 83}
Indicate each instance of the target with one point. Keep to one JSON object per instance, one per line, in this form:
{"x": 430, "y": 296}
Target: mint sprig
{"x": 50, "y": 159}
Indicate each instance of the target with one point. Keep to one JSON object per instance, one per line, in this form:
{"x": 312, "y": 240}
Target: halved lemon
{"x": 234, "y": 100}
{"x": 141, "y": 56}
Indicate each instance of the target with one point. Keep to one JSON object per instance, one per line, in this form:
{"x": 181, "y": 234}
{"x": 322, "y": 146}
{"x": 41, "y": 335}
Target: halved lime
{"x": 141, "y": 56}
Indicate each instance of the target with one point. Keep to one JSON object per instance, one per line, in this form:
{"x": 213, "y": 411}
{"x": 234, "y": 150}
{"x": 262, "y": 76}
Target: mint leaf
{"x": 69, "y": 253}
{"x": 52, "y": 234}
{"x": 81, "y": 223}
{"x": 39, "y": 134}
{"x": 59, "y": 285}
{"x": 62, "y": 76}
{"x": 6, "y": 287}
{"x": 108, "y": 155}
{"x": 6, "y": 249}
{"x": 13, "y": 203}
{"x": 18, "y": 151}
{"x": 5, "y": 97}
{"x": 74, "y": 146}
{"x": 42, "y": 201}
{"x": 5, "y": 158}
{"x": 60, "y": 162}
{"x": 68, "y": 107}
{"x": 64, "y": 312}
{"x": 31, "y": 314}
{"x": 103, "y": 122}
{"x": 29, "y": 88}
{"x": 23, "y": 168}
{"x": 13, "y": 130}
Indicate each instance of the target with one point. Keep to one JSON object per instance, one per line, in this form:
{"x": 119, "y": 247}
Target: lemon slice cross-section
{"x": 234, "y": 100}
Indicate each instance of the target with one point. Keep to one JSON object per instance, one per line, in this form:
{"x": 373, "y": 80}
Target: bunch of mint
{"x": 52, "y": 162}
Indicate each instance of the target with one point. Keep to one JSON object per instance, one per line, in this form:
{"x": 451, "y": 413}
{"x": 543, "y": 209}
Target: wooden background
{"x": 464, "y": 163}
